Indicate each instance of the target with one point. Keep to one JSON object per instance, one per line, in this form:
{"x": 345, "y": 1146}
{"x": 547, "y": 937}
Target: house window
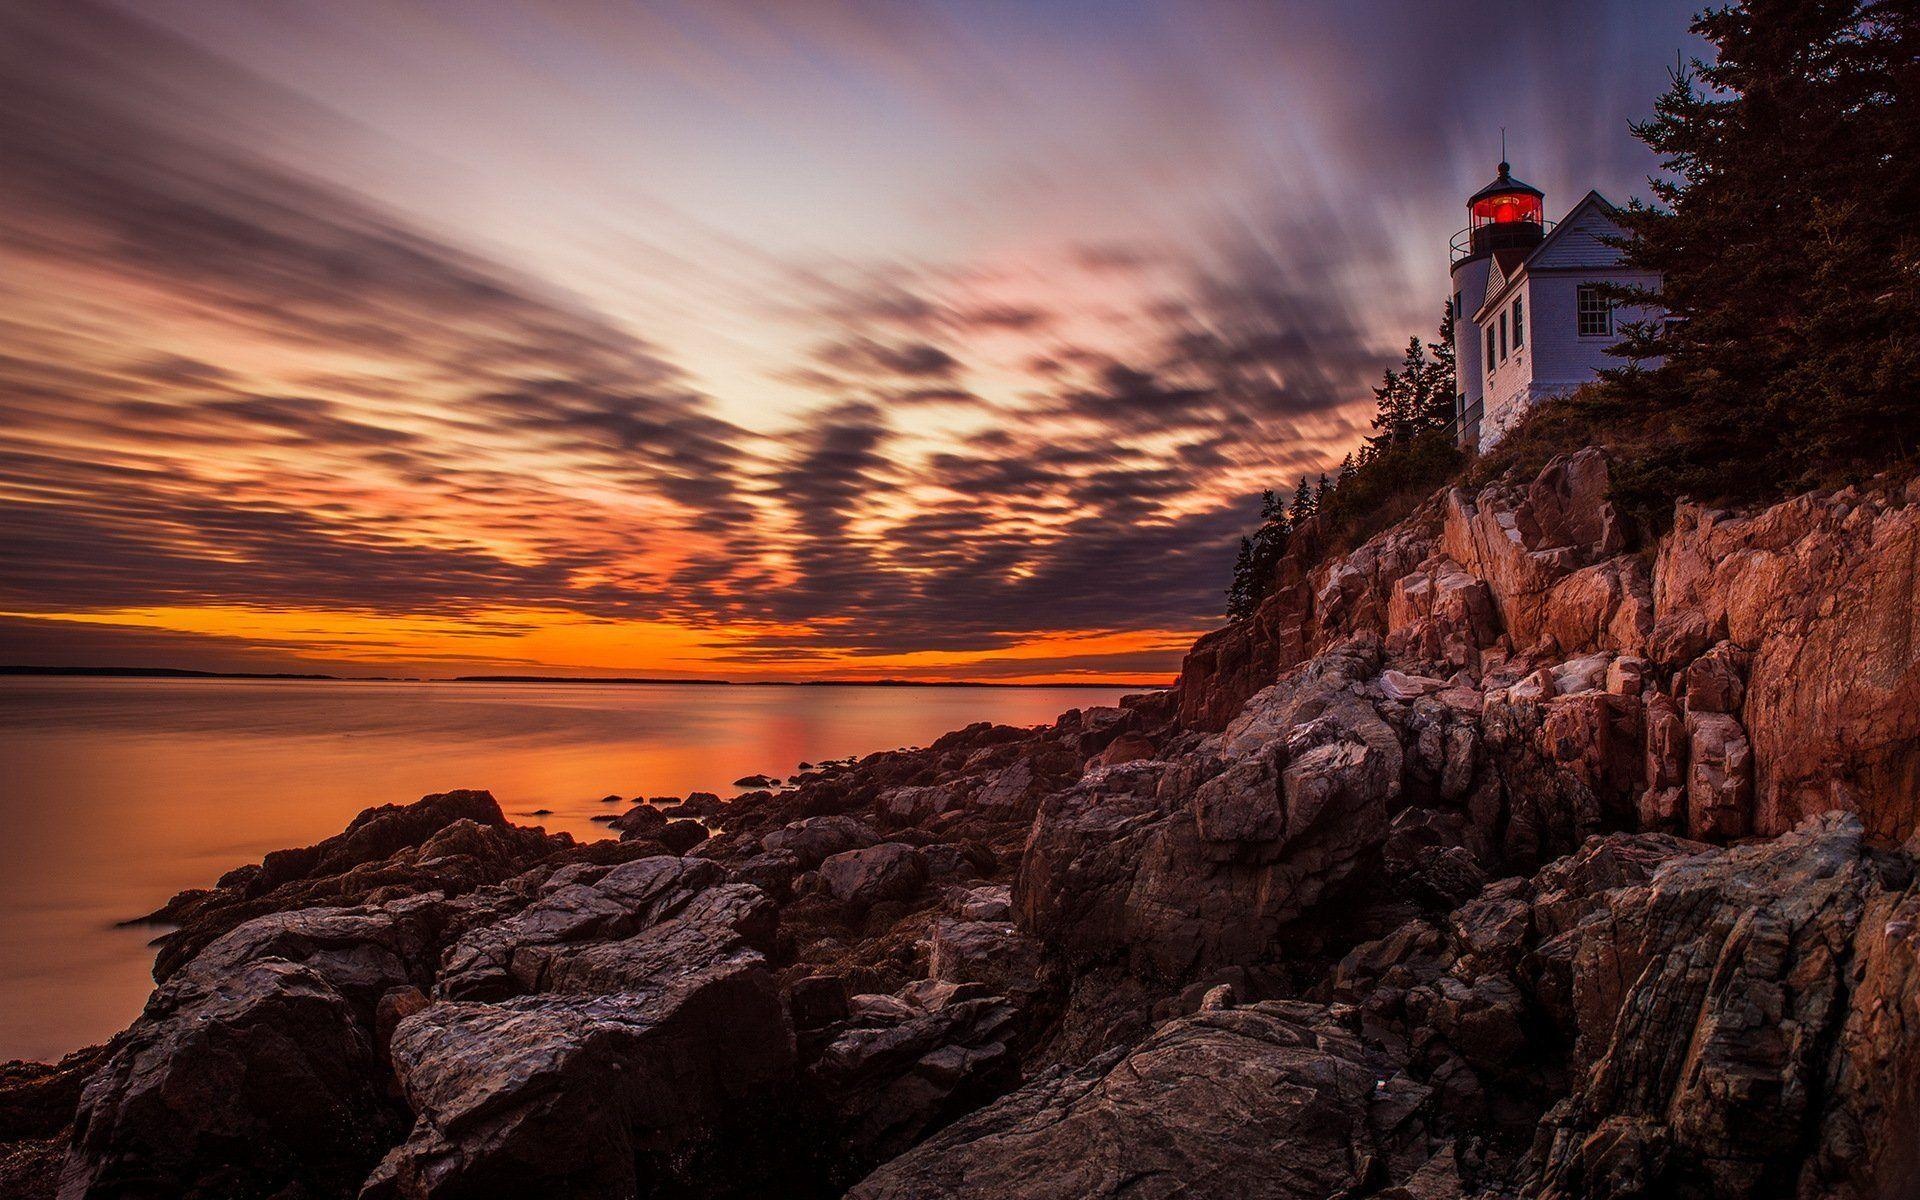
{"x": 1503, "y": 337}
{"x": 1595, "y": 313}
{"x": 1519, "y": 322}
{"x": 1489, "y": 349}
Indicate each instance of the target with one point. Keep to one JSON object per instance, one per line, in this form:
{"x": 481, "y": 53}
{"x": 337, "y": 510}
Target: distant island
{"x": 155, "y": 673}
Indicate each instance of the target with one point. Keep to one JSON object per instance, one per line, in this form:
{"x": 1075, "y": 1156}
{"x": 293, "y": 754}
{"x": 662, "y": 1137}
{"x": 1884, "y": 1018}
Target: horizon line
{"x": 131, "y": 672}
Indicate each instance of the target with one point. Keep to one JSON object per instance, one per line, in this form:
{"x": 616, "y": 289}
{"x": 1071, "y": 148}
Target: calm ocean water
{"x": 116, "y": 793}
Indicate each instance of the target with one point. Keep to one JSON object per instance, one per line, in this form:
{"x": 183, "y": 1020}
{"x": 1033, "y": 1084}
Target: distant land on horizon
{"x": 185, "y": 673}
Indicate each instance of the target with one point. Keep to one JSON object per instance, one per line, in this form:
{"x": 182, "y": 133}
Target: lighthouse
{"x": 1503, "y": 219}
{"x": 1533, "y": 307}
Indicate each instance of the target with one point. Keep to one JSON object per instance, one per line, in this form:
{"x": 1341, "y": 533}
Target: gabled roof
{"x": 1502, "y": 279}
{"x": 1591, "y": 202}
{"x": 1504, "y": 265}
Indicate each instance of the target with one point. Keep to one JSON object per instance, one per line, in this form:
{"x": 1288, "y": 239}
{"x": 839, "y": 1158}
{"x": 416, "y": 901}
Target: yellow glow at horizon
{"x": 537, "y": 640}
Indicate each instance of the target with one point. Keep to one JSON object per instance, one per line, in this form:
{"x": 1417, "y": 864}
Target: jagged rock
{"x": 611, "y": 934}
{"x": 1627, "y": 675}
{"x": 657, "y": 1024}
{"x": 1568, "y": 505}
{"x": 1397, "y": 685}
{"x": 1179, "y": 866}
{"x": 255, "y": 1067}
{"x": 1719, "y": 777}
{"x": 1607, "y": 605}
{"x": 992, "y": 953}
{"x": 1866, "y": 1150}
{"x": 1716, "y": 681}
{"x": 1532, "y": 807}
{"x": 1662, "y": 804}
{"x": 1441, "y": 614}
{"x": 993, "y": 902}
{"x": 1482, "y": 1018}
{"x": 1711, "y": 1003}
{"x": 894, "y": 1074}
{"x": 1819, "y": 592}
{"x": 1264, "y": 1100}
{"x": 583, "y": 1096}
{"x": 1546, "y": 554}
{"x": 889, "y": 871}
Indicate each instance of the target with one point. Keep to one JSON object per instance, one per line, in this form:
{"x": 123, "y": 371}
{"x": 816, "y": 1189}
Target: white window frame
{"x": 1588, "y": 304}
{"x": 1519, "y": 323}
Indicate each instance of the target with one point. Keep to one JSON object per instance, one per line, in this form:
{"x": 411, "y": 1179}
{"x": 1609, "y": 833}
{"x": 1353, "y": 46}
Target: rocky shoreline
{"x": 1498, "y": 857}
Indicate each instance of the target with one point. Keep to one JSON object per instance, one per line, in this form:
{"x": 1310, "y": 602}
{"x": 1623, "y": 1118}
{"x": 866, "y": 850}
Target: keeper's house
{"x": 1531, "y": 317}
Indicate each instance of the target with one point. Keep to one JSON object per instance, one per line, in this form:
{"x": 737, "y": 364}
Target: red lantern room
{"x": 1504, "y": 215}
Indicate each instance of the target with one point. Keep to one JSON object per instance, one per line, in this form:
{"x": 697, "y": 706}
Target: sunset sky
{"x": 776, "y": 339}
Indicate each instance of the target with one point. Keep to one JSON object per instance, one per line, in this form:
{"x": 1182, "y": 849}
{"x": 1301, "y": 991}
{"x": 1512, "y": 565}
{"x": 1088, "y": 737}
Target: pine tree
{"x": 1240, "y": 592}
{"x": 1787, "y": 247}
{"x": 1437, "y": 410}
{"x": 1303, "y": 506}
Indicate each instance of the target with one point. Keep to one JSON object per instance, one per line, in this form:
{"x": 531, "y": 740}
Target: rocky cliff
{"x": 1498, "y": 857}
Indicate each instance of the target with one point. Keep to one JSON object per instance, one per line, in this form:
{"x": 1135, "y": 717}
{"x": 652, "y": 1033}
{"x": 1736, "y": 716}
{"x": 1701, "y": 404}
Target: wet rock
{"x": 640, "y": 821}
{"x": 681, "y": 836}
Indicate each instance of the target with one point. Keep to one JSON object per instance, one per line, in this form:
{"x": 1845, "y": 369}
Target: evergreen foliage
{"x": 1788, "y": 242}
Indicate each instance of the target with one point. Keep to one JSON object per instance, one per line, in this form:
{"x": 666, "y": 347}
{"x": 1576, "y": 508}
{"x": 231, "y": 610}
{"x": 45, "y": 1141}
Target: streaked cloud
{"x": 723, "y": 338}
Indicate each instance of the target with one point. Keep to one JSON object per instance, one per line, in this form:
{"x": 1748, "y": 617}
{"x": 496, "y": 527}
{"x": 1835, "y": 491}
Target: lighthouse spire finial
{"x": 1503, "y": 147}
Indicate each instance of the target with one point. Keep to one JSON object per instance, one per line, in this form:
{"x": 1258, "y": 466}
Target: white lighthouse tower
{"x": 1534, "y": 314}
{"x": 1504, "y": 224}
